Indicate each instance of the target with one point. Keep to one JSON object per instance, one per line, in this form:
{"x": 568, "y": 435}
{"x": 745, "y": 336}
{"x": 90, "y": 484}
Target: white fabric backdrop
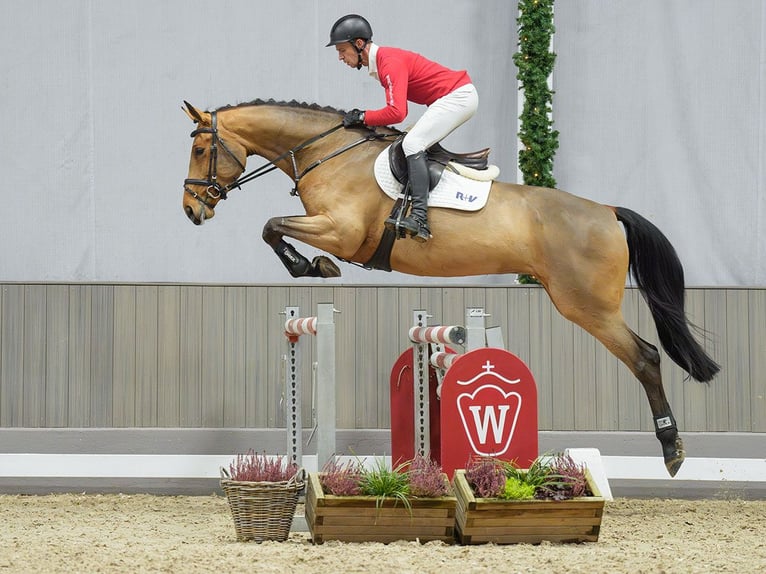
{"x": 658, "y": 104}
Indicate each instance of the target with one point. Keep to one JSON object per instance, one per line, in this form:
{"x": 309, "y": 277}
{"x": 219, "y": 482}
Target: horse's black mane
{"x": 291, "y": 104}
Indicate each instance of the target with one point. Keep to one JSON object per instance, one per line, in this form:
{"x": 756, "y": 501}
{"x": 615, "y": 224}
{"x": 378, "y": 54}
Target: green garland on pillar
{"x": 535, "y": 61}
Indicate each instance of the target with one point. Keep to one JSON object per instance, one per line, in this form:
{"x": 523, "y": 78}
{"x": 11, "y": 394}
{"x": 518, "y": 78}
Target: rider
{"x": 450, "y": 96}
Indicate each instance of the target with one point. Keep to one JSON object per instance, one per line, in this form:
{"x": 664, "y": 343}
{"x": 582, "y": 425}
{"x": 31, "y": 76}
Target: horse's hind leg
{"x": 643, "y": 359}
{"x": 596, "y": 308}
{"x": 664, "y": 422}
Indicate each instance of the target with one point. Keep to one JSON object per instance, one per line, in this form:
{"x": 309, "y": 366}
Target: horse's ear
{"x": 192, "y": 112}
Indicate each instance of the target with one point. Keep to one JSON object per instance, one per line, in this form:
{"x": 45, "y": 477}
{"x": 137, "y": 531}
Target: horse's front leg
{"x": 310, "y": 230}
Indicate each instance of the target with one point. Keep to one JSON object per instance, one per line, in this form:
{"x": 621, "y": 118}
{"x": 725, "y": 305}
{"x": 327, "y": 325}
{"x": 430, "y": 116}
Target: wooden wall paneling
{"x": 79, "y": 361}
{"x": 738, "y": 365}
{"x": 607, "y": 398}
{"x": 56, "y": 356}
{"x": 541, "y": 354}
{"x": 146, "y": 355}
{"x": 718, "y": 395}
{"x": 34, "y": 356}
{"x": 261, "y": 358}
{"x": 453, "y": 304}
{"x": 234, "y": 357}
{"x": 124, "y": 367}
{"x": 271, "y": 388}
{"x": 102, "y": 355}
{"x": 562, "y": 395}
{"x": 584, "y": 388}
{"x": 12, "y": 357}
{"x": 694, "y": 405}
{"x": 212, "y": 391}
{"x": 412, "y": 299}
{"x": 367, "y": 326}
{"x": 191, "y": 353}
{"x": 169, "y": 363}
{"x": 756, "y": 344}
{"x": 516, "y": 331}
{"x": 390, "y": 345}
{"x": 347, "y": 331}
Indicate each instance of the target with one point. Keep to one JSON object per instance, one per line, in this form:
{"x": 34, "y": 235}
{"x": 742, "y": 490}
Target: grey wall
{"x": 659, "y": 106}
{"x": 116, "y": 356}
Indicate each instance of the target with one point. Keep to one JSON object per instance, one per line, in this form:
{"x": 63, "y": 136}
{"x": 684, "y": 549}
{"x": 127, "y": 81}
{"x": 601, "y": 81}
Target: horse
{"x": 580, "y": 251}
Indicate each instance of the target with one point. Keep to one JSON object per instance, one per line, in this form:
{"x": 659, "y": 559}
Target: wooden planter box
{"x": 356, "y": 518}
{"x": 482, "y": 520}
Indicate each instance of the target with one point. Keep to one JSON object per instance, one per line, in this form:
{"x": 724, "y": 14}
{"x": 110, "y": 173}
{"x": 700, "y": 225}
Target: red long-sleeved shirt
{"x": 409, "y": 76}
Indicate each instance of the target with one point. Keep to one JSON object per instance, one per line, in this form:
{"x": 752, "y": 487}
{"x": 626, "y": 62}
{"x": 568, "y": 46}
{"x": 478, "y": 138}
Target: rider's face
{"x": 347, "y": 54}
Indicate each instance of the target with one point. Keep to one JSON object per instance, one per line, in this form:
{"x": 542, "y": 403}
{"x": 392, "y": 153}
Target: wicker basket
{"x": 262, "y": 510}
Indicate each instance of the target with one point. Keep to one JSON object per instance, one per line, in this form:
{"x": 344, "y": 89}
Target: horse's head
{"x": 217, "y": 160}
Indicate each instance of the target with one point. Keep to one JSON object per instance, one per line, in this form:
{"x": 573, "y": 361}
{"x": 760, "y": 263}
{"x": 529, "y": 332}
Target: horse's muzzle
{"x": 200, "y": 215}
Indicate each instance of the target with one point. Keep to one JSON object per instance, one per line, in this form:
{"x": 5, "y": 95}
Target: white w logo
{"x": 490, "y": 417}
{"x": 489, "y": 421}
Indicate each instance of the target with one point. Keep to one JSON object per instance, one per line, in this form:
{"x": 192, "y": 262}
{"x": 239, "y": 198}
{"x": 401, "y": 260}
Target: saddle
{"x": 438, "y": 159}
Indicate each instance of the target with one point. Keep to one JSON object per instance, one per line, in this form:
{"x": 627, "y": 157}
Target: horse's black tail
{"x": 660, "y": 278}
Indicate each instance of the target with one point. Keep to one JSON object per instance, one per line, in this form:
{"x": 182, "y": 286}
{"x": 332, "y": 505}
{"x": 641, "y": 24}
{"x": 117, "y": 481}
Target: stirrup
{"x": 416, "y": 228}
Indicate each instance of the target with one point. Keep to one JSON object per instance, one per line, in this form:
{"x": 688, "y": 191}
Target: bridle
{"x": 214, "y": 191}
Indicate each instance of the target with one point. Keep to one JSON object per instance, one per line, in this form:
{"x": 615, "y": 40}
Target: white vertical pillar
{"x": 325, "y": 380}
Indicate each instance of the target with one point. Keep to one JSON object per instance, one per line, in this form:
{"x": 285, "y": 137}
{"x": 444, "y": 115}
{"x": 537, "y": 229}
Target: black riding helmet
{"x": 348, "y": 29}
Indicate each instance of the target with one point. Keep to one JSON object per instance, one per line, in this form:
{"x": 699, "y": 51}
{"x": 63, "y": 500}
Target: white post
{"x": 325, "y": 391}
{"x": 474, "y": 326}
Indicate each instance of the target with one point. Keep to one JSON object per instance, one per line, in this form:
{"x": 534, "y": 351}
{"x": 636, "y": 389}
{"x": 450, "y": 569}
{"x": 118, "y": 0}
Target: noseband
{"x": 213, "y": 190}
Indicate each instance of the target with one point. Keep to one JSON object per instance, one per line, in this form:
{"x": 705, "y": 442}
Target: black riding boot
{"x": 416, "y": 224}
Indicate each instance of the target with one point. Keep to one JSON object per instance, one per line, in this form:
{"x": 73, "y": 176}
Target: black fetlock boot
{"x": 416, "y": 223}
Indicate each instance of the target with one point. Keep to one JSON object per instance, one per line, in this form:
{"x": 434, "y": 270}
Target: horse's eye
{"x": 198, "y": 151}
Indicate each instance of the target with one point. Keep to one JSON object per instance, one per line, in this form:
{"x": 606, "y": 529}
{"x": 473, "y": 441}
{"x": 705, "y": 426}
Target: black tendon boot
{"x": 416, "y": 223}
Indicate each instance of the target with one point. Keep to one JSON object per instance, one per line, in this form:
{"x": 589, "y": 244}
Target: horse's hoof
{"x": 325, "y": 266}
{"x": 674, "y": 458}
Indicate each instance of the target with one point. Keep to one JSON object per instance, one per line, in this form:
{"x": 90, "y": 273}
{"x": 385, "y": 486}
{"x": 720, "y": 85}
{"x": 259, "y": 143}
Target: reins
{"x": 221, "y": 192}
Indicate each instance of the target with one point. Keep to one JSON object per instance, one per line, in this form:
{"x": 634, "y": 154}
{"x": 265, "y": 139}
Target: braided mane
{"x": 290, "y": 104}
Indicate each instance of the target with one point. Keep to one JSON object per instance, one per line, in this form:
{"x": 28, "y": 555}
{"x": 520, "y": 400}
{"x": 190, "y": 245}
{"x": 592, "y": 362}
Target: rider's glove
{"x": 353, "y": 118}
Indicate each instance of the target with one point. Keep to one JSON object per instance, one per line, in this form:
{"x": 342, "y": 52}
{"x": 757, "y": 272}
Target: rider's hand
{"x": 353, "y": 118}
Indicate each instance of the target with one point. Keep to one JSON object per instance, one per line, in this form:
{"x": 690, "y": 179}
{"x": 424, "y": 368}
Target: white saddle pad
{"x": 454, "y": 191}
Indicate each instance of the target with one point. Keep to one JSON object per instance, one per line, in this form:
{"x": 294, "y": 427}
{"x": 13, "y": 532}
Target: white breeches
{"x": 441, "y": 118}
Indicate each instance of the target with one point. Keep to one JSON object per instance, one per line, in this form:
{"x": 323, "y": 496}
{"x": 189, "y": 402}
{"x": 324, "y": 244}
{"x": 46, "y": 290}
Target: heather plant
{"x": 570, "y": 481}
{"x": 549, "y": 477}
{"x": 257, "y": 467}
{"x": 341, "y": 479}
{"x": 426, "y": 478}
{"x": 486, "y": 475}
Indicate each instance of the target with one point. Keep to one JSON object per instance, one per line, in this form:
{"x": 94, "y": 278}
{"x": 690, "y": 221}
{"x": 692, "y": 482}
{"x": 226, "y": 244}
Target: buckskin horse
{"x": 574, "y": 247}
